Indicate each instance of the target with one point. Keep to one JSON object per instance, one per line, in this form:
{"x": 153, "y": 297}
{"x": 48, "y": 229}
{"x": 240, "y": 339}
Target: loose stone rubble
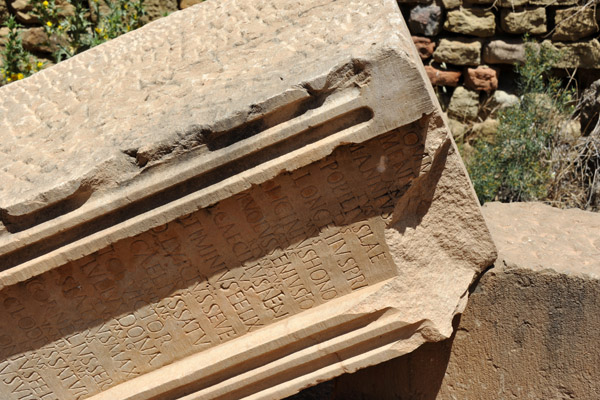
{"x": 237, "y": 201}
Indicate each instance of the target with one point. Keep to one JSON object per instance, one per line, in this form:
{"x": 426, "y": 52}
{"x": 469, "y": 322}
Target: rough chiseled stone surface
{"x": 504, "y": 52}
{"x": 237, "y": 201}
{"x": 579, "y": 54}
{"x": 524, "y": 21}
{"x": 426, "y": 19}
{"x": 440, "y": 77}
{"x": 482, "y": 78}
{"x": 530, "y": 328}
{"x": 590, "y": 108}
{"x": 464, "y": 104}
{"x": 458, "y": 51}
{"x": 425, "y": 46}
{"x": 575, "y": 23}
{"x": 471, "y": 21}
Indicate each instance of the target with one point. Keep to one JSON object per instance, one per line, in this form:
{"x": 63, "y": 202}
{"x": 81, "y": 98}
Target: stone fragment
{"x": 479, "y": 2}
{"x": 590, "y": 108}
{"x": 500, "y": 100}
{"x": 449, "y": 4}
{"x": 23, "y": 8}
{"x": 156, "y": 9}
{"x": 4, "y": 14}
{"x": 457, "y": 128}
{"x": 471, "y": 21}
{"x": 575, "y": 23}
{"x": 512, "y": 4}
{"x": 36, "y": 40}
{"x": 531, "y": 21}
{"x": 577, "y": 55}
{"x": 458, "y": 51}
{"x": 464, "y": 105}
{"x": 482, "y": 78}
{"x": 188, "y": 3}
{"x": 504, "y": 52}
{"x": 414, "y": 1}
{"x": 239, "y": 200}
{"x": 547, "y": 3}
{"x": 440, "y": 77}
{"x": 425, "y": 19}
{"x": 485, "y": 130}
{"x": 425, "y": 46}
{"x": 530, "y": 328}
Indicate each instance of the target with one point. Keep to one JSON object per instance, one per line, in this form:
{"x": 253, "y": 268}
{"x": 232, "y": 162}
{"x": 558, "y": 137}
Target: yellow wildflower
{"x": 126, "y": 6}
{"x": 98, "y": 30}
{"x": 45, "y": 4}
{"x": 49, "y": 23}
{"x": 8, "y": 79}
{"x": 20, "y": 76}
{"x": 40, "y": 64}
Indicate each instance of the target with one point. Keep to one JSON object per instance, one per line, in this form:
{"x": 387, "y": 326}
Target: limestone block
{"x": 237, "y": 201}
{"x": 485, "y": 130}
{"x": 504, "y": 52}
{"x": 499, "y": 100}
{"x": 458, "y": 51}
{"x": 188, "y": 3}
{"x": 531, "y": 21}
{"x": 464, "y": 104}
{"x": 425, "y": 46}
{"x": 590, "y": 108}
{"x": 441, "y": 77}
{"x": 471, "y": 21}
{"x": 575, "y": 23}
{"x": 449, "y": 4}
{"x": 482, "y": 78}
{"x": 547, "y": 3}
{"x": 425, "y": 19}
{"x": 457, "y": 128}
{"x": 512, "y": 4}
{"x": 530, "y": 328}
{"x": 156, "y": 9}
{"x": 4, "y": 14}
{"x": 577, "y": 55}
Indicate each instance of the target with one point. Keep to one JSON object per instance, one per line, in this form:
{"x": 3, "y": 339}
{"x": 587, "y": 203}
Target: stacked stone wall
{"x": 469, "y": 48}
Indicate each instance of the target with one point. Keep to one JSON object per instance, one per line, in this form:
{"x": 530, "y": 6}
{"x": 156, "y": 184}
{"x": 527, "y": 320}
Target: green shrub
{"x": 17, "y": 63}
{"x": 516, "y": 164}
{"x": 85, "y": 28}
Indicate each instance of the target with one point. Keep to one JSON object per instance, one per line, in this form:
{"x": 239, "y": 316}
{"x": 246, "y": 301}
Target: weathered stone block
{"x": 526, "y": 21}
{"x": 3, "y": 11}
{"x": 236, "y": 201}
{"x": 577, "y": 55}
{"x": 504, "y": 52}
{"x": 530, "y": 328}
{"x": 512, "y": 3}
{"x": 471, "y": 21}
{"x": 458, "y": 51}
{"x": 464, "y": 104}
{"x": 426, "y": 19}
{"x": 449, "y": 4}
{"x": 590, "y": 108}
{"x": 575, "y": 23}
{"x": 482, "y": 78}
{"x": 425, "y": 46}
{"x": 156, "y": 9}
{"x": 441, "y": 77}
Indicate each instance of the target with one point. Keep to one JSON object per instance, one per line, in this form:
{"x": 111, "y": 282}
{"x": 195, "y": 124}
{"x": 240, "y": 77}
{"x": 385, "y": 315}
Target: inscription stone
{"x": 278, "y": 203}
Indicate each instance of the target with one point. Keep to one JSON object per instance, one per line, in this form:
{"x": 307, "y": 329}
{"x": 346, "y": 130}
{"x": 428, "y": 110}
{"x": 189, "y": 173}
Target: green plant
{"x": 516, "y": 165}
{"x": 17, "y": 63}
{"x": 84, "y": 27}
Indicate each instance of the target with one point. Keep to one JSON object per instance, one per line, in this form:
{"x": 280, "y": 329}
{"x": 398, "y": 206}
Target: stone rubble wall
{"x": 469, "y": 48}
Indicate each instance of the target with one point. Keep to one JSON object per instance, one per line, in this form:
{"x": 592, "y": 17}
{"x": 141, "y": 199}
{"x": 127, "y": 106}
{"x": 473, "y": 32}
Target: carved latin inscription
{"x": 288, "y": 245}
